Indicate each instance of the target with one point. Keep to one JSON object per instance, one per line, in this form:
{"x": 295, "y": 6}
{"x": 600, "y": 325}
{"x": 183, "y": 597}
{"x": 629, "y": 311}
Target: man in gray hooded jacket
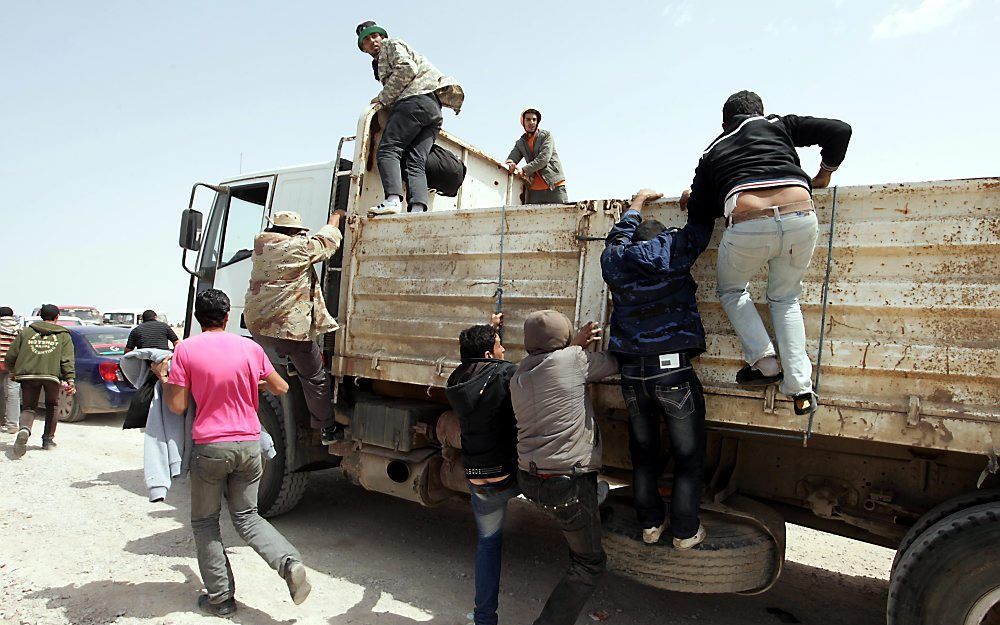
{"x": 559, "y": 448}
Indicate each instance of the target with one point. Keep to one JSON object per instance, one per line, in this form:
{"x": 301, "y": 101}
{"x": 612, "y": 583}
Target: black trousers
{"x": 31, "y": 392}
{"x": 572, "y": 502}
{"x": 413, "y": 125}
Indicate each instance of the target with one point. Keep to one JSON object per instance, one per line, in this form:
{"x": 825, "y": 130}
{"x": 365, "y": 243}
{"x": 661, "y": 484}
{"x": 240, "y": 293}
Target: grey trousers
{"x": 10, "y": 400}
{"x": 308, "y": 361}
{"x": 548, "y": 196}
{"x": 413, "y": 126}
{"x": 232, "y": 470}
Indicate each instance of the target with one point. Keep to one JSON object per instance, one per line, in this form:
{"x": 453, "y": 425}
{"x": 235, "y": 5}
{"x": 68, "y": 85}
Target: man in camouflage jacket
{"x": 285, "y": 310}
{"x": 414, "y": 91}
{"x": 655, "y": 333}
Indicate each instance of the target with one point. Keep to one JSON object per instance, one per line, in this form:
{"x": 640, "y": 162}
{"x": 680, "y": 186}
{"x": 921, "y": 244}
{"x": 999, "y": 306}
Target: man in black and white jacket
{"x": 750, "y": 175}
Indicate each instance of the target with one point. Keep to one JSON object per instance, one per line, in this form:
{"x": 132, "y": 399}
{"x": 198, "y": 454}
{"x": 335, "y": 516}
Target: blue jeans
{"x": 675, "y": 395}
{"x": 786, "y": 245}
{"x": 489, "y": 504}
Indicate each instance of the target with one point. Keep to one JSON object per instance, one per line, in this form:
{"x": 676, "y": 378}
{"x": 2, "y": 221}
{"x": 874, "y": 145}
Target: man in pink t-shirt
{"x": 223, "y": 373}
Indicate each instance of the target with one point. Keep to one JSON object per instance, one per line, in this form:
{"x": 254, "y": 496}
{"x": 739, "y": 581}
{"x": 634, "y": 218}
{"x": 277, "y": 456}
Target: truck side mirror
{"x": 190, "y": 237}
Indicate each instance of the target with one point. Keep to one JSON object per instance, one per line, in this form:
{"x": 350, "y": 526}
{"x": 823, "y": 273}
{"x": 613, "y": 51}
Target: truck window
{"x": 243, "y": 219}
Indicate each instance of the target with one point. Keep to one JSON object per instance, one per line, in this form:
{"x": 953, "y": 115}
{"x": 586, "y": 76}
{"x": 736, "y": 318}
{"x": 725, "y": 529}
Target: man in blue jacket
{"x": 655, "y": 332}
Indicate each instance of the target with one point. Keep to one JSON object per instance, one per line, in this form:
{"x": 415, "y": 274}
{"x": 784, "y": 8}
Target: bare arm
{"x": 274, "y": 384}
{"x": 177, "y": 397}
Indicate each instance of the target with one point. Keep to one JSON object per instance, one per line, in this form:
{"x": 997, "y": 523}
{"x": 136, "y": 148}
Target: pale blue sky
{"x": 111, "y": 110}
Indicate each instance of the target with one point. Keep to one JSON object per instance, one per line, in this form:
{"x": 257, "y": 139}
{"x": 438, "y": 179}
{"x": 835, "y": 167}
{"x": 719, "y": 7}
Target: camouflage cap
{"x": 287, "y": 219}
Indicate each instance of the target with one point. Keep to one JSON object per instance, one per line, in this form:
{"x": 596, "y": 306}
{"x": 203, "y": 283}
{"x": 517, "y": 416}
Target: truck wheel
{"x": 736, "y": 556}
{"x": 951, "y": 573}
{"x": 941, "y": 511}
{"x": 68, "y": 410}
{"x": 280, "y": 489}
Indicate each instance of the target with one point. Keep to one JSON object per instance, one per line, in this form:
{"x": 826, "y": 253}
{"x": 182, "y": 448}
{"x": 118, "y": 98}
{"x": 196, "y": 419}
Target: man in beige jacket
{"x": 285, "y": 310}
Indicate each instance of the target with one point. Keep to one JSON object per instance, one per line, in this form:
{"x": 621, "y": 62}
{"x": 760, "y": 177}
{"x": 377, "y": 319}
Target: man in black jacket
{"x": 656, "y": 331}
{"x": 479, "y": 392}
{"x": 751, "y": 176}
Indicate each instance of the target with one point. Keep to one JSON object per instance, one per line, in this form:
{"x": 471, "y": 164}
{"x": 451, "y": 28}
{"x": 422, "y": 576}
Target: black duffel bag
{"x": 445, "y": 172}
{"x": 138, "y": 407}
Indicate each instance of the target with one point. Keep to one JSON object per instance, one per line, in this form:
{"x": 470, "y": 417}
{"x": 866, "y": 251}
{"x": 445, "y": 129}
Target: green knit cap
{"x": 374, "y": 28}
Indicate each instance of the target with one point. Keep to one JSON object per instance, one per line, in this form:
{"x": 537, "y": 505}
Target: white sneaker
{"x": 651, "y": 535}
{"x": 688, "y": 543}
{"x": 392, "y": 205}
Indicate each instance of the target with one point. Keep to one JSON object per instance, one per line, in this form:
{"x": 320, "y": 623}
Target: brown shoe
{"x": 298, "y": 586}
{"x": 21, "y": 442}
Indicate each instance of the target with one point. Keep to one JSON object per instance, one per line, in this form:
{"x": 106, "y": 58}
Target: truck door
{"x": 234, "y": 223}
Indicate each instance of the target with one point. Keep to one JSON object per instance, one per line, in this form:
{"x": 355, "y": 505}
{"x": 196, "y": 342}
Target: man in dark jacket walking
{"x": 537, "y": 148}
{"x": 479, "y": 393}
{"x": 655, "y": 332}
{"x": 41, "y": 358}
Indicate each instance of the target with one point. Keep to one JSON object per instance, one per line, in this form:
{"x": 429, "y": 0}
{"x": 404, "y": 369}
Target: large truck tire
{"x": 951, "y": 573}
{"x": 736, "y": 557}
{"x": 935, "y": 514}
{"x": 280, "y": 489}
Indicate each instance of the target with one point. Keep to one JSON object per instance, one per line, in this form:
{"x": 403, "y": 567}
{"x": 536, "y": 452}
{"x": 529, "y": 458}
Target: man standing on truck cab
{"x": 151, "y": 332}
{"x": 414, "y": 91}
{"x": 479, "y": 393}
{"x": 537, "y": 148}
{"x": 655, "y": 333}
{"x": 750, "y": 175}
{"x": 224, "y": 372}
{"x": 285, "y": 309}
{"x": 559, "y": 448}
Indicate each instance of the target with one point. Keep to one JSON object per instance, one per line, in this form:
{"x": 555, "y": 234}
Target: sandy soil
{"x": 80, "y": 543}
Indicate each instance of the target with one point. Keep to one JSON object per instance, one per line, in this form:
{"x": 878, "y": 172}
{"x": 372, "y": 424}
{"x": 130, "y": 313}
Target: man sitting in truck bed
{"x": 655, "y": 333}
{"x": 414, "y": 91}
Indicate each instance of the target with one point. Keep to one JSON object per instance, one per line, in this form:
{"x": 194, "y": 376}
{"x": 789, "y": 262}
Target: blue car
{"x": 100, "y": 385}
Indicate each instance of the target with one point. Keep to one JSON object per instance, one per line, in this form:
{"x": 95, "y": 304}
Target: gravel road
{"x": 80, "y": 543}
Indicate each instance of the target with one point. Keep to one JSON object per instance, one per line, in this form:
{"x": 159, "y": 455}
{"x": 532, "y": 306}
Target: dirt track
{"x": 81, "y": 544}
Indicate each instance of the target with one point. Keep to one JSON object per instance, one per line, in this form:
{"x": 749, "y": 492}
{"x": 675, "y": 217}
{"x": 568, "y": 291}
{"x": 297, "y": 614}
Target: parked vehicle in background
{"x": 100, "y": 385}
{"x": 129, "y": 318}
{"x": 68, "y": 322}
{"x": 88, "y": 315}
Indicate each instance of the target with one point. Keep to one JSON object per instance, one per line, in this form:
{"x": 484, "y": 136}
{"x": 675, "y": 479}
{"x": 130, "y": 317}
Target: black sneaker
{"x": 748, "y": 376}
{"x": 225, "y": 609}
{"x": 295, "y": 577}
{"x": 48, "y": 443}
{"x": 21, "y": 442}
{"x": 332, "y": 434}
